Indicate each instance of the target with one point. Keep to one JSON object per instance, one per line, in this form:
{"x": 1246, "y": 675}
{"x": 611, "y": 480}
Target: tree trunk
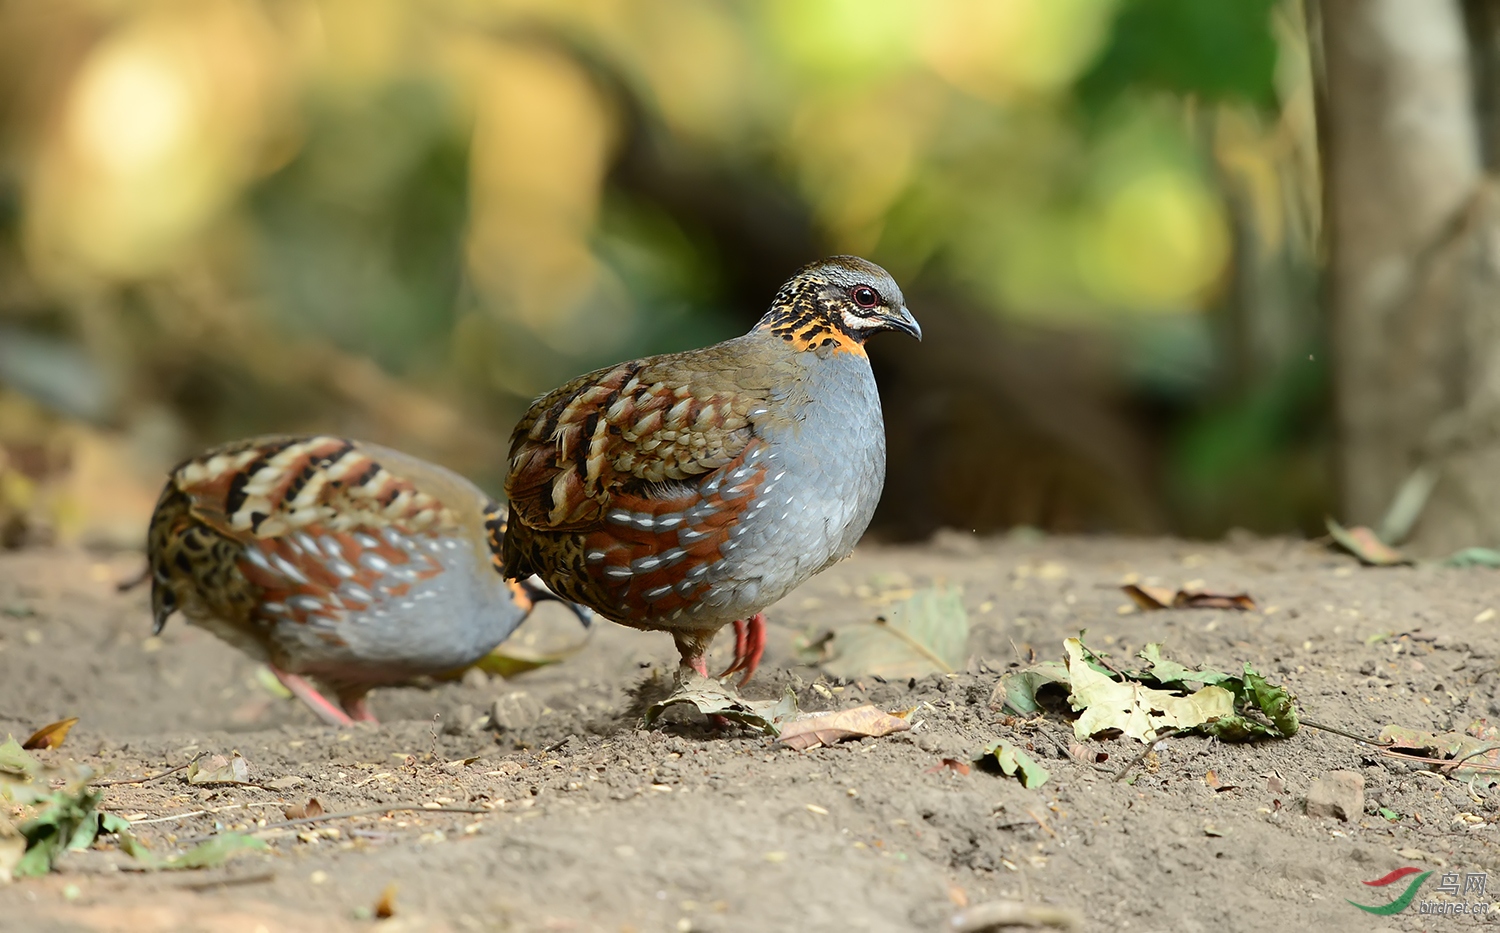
{"x": 1415, "y": 283}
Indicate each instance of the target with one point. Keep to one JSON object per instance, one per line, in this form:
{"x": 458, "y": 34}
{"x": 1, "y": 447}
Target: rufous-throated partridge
{"x": 687, "y": 491}
{"x": 354, "y": 564}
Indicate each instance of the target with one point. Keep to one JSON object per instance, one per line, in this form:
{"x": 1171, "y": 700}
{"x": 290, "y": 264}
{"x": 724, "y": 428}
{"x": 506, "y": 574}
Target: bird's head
{"x": 835, "y": 304}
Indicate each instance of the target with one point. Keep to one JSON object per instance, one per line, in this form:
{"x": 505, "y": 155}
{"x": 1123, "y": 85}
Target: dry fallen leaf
{"x": 385, "y": 908}
{"x": 1160, "y": 597}
{"x": 1469, "y": 756}
{"x": 1210, "y": 599}
{"x": 1086, "y": 756}
{"x": 511, "y": 660}
{"x": 1364, "y": 544}
{"x": 927, "y": 632}
{"x": 1132, "y": 708}
{"x": 217, "y": 769}
{"x": 50, "y": 735}
{"x": 1149, "y": 597}
{"x": 950, "y": 764}
{"x": 313, "y": 807}
{"x": 830, "y": 728}
{"x": 712, "y": 698}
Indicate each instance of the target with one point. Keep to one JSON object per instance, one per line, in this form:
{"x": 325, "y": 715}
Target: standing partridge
{"x": 686, "y": 491}
{"x": 351, "y": 563}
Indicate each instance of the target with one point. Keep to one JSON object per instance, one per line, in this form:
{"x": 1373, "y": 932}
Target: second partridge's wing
{"x": 649, "y": 428}
{"x": 317, "y": 524}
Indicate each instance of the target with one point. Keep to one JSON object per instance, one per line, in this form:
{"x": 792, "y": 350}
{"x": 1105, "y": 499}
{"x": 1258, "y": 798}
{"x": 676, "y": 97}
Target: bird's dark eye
{"x": 864, "y": 296}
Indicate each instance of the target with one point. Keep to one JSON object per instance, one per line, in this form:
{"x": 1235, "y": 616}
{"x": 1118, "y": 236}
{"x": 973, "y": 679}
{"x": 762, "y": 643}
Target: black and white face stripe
{"x": 854, "y": 322}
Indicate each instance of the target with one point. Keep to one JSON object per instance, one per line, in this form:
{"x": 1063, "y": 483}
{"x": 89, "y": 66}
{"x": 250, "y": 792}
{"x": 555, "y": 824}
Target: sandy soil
{"x": 589, "y": 822}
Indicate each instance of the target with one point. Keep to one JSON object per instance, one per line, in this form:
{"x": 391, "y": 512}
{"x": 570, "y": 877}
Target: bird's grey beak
{"x": 538, "y": 592}
{"x": 905, "y": 323}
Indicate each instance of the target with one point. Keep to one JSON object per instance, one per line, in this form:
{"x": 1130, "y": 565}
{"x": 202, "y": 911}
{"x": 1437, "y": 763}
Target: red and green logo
{"x": 1402, "y": 902}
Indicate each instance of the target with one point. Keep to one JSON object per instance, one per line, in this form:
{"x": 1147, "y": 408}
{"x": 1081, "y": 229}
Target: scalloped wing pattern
{"x": 295, "y": 530}
{"x": 620, "y": 431}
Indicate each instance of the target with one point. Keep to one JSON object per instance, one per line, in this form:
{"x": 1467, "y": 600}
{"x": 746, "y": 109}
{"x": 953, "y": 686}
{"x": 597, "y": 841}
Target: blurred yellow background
{"x": 401, "y": 220}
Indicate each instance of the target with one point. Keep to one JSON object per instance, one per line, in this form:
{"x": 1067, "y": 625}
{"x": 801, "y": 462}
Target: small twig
{"x": 558, "y": 746}
{"x": 998, "y": 914}
{"x": 1150, "y": 747}
{"x": 1453, "y": 763}
{"x": 1348, "y": 735}
{"x": 210, "y": 811}
{"x": 168, "y": 819}
{"x": 1041, "y": 822}
{"x": 148, "y": 780}
{"x": 323, "y": 817}
{"x": 1442, "y": 764}
{"x": 210, "y": 884}
{"x": 917, "y": 646}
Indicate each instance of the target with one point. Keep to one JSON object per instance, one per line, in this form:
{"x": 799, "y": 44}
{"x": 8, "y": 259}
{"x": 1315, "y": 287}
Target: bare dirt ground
{"x": 589, "y": 822}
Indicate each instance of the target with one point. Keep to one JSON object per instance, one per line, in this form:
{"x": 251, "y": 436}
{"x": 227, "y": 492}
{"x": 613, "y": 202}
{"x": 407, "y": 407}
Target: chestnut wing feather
{"x": 272, "y": 518}
{"x": 647, "y": 428}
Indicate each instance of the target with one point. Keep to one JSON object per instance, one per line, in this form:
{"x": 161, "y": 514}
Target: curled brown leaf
{"x": 1150, "y": 598}
{"x": 385, "y": 908}
{"x": 949, "y": 764}
{"x": 313, "y": 807}
{"x": 51, "y": 735}
{"x": 830, "y": 728}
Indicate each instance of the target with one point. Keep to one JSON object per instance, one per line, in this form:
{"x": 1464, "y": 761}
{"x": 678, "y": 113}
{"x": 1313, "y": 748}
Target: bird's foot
{"x": 749, "y": 645}
{"x": 321, "y": 706}
{"x": 358, "y": 709}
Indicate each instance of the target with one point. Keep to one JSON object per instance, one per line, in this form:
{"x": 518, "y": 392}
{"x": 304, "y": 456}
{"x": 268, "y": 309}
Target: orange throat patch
{"x": 815, "y": 334}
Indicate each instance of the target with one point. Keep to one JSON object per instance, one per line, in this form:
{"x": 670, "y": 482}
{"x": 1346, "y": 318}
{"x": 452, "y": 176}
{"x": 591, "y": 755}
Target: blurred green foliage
{"x": 1219, "y": 52}
{"x": 402, "y": 220}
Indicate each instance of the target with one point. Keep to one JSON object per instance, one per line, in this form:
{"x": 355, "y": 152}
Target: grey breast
{"x": 438, "y": 624}
{"x": 825, "y": 471}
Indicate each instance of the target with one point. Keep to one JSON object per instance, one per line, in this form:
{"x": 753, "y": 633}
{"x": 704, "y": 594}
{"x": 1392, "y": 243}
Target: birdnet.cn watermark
{"x": 1459, "y": 894}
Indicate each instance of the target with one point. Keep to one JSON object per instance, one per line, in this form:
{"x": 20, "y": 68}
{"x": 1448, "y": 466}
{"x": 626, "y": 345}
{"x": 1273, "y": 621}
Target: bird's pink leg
{"x": 354, "y": 703}
{"x": 693, "y": 647}
{"x": 749, "y": 645}
{"x": 315, "y": 701}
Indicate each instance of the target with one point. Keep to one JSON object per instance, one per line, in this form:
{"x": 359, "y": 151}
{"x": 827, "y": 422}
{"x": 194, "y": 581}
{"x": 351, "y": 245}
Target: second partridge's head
{"x": 835, "y": 304}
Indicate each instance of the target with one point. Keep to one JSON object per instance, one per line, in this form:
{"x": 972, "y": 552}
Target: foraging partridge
{"x": 354, "y": 564}
{"x": 686, "y": 491}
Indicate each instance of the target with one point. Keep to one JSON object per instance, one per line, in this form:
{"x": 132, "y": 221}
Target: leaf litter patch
{"x": 1013, "y": 762}
{"x": 780, "y": 718}
{"x": 68, "y": 818}
{"x": 711, "y": 697}
{"x": 1165, "y": 696}
{"x": 1471, "y": 756}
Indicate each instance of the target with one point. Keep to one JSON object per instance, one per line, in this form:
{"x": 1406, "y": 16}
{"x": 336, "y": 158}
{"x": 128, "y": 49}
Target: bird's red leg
{"x": 749, "y": 645}
{"x": 693, "y": 646}
{"x": 353, "y": 701}
{"x": 741, "y": 631}
{"x": 315, "y": 701}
